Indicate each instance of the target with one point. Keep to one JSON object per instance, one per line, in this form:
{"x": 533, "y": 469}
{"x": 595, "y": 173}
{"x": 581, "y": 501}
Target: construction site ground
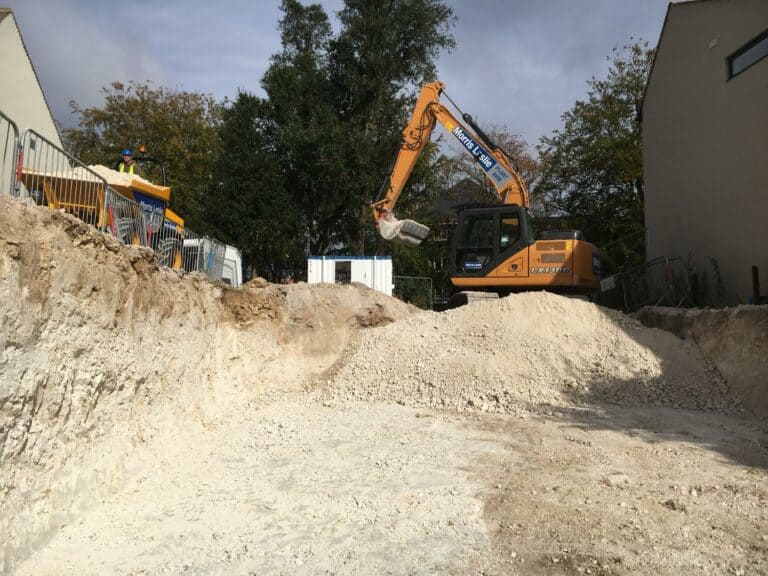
{"x": 154, "y": 423}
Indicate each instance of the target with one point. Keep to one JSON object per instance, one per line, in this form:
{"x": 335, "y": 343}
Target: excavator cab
{"x": 487, "y": 235}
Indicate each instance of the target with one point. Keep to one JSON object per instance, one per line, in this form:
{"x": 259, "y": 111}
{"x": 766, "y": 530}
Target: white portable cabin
{"x": 232, "y": 272}
{"x": 373, "y": 271}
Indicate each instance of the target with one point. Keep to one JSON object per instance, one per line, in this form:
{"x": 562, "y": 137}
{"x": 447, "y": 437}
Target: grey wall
{"x": 706, "y": 144}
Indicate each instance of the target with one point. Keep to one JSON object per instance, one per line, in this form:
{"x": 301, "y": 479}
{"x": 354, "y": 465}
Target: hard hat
{"x": 127, "y": 152}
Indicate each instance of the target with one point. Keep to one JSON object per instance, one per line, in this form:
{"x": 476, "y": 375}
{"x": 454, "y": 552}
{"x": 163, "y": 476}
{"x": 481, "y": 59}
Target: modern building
{"x": 705, "y": 141}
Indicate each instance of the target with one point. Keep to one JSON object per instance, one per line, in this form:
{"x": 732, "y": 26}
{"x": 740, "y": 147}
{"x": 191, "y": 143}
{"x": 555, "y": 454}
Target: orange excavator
{"x": 494, "y": 251}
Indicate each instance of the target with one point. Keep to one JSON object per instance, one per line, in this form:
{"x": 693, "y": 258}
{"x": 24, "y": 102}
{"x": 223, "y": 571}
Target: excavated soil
{"x": 154, "y": 423}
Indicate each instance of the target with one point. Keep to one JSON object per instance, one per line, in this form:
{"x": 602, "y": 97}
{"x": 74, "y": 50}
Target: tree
{"x": 592, "y": 169}
{"x": 302, "y": 128}
{"x": 334, "y": 110}
{"x": 248, "y": 205}
{"x": 178, "y": 128}
{"x": 385, "y": 51}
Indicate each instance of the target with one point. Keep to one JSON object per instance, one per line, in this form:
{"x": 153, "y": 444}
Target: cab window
{"x": 476, "y": 242}
{"x": 509, "y": 231}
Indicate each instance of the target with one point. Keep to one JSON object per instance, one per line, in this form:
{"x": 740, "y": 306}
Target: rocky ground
{"x": 156, "y": 424}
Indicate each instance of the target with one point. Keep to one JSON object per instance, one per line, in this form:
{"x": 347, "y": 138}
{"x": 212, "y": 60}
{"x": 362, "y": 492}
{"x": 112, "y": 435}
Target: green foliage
{"x": 303, "y": 133}
{"x": 178, "y": 128}
{"x": 385, "y": 51}
{"x": 248, "y": 205}
{"x": 334, "y": 110}
{"x": 592, "y": 169}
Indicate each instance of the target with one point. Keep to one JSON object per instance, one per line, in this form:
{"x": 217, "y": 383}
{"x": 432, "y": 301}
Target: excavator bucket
{"x": 408, "y": 232}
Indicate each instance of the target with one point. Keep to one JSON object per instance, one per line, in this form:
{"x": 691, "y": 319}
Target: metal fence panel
{"x": 34, "y": 168}
{"x": 203, "y": 254}
{"x": 9, "y": 149}
{"x": 51, "y": 177}
{"x": 193, "y": 254}
{"x": 125, "y": 219}
{"x": 663, "y": 281}
{"x": 215, "y": 264}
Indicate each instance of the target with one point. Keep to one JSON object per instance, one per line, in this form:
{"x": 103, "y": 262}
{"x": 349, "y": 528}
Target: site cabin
{"x": 373, "y": 271}
{"x": 232, "y": 272}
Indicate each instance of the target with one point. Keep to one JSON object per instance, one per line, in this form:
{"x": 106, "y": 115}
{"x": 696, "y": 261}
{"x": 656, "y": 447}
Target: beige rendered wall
{"x": 705, "y": 141}
{"x": 21, "y": 97}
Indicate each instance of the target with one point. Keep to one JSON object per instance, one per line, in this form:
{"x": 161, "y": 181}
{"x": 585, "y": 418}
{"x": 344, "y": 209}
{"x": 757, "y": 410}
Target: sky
{"x": 517, "y": 63}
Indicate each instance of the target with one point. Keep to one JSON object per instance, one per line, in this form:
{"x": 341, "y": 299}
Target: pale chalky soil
{"x": 154, "y": 423}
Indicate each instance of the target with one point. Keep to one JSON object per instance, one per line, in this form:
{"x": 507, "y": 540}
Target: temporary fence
{"x": 49, "y": 176}
{"x": 663, "y": 281}
{"x": 202, "y": 253}
{"x": 414, "y": 290}
{"x": 37, "y": 170}
{"x": 9, "y": 149}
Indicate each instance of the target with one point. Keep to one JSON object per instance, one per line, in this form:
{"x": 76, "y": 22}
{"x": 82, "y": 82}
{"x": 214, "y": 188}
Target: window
{"x": 510, "y": 231}
{"x": 475, "y": 246}
{"x": 343, "y": 272}
{"x": 750, "y": 54}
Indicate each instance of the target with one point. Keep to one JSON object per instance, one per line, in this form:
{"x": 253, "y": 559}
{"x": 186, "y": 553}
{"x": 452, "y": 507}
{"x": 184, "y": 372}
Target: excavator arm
{"x": 491, "y": 158}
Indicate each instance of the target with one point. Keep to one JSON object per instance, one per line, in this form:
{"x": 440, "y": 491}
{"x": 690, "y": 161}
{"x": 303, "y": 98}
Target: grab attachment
{"x": 407, "y": 232}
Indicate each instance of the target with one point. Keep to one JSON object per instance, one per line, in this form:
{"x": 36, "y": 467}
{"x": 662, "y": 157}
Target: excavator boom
{"x": 492, "y": 159}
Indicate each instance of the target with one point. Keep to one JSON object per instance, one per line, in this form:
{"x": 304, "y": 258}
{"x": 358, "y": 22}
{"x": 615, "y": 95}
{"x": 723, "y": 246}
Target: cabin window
{"x": 475, "y": 247}
{"x": 509, "y": 233}
{"x": 343, "y": 272}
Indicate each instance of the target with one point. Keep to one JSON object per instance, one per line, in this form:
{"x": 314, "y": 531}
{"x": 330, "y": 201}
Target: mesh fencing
{"x": 9, "y": 144}
{"x": 47, "y": 175}
{"x": 661, "y": 282}
{"x": 203, "y": 254}
{"x": 35, "y": 169}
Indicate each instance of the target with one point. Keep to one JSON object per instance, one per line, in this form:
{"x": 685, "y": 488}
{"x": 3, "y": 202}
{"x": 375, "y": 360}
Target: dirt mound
{"x": 734, "y": 339}
{"x": 99, "y": 343}
{"x": 526, "y": 350}
{"x": 112, "y": 367}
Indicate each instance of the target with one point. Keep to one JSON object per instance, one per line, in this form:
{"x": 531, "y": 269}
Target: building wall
{"x": 375, "y": 271}
{"x": 705, "y": 141}
{"x": 21, "y": 97}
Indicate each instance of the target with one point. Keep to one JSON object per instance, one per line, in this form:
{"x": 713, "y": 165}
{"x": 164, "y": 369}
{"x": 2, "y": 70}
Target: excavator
{"x": 494, "y": 250}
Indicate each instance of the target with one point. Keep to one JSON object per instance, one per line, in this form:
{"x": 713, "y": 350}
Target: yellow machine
{"x": 494, "y": 251}
{"x": 157, "y": 227}
{"x": 137, "y": 214}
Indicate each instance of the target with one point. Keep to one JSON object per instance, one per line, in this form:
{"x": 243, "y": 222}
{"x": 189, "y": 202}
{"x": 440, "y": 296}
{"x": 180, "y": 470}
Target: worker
{"x": 129, "y": 164}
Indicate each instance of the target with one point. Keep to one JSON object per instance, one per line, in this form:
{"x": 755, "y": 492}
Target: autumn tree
{"x": 592, "y": 168}
{"x": 178, "y": 128}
